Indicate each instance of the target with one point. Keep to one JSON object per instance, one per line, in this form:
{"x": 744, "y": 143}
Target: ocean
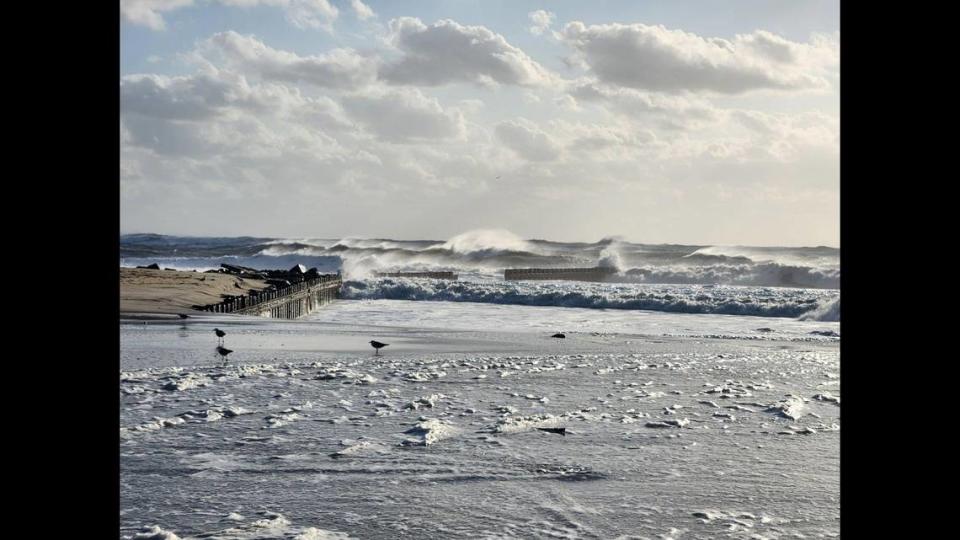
{"x": 756, "y": 281}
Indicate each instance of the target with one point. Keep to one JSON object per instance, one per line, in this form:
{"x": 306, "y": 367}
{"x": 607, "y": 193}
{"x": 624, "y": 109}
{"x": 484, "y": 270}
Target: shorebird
{"x": 559, "y": 335}
{"x": 377, "y": 345}
{"x": 223, "y": 351}
{"x": 220, "y": 333}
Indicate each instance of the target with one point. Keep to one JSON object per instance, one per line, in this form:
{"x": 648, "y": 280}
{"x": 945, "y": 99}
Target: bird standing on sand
{"x": 559, "y": 335}
{"x": 220, "y": 333}
{"x": 377, "y": 345}
{"x": 223, "y": 351}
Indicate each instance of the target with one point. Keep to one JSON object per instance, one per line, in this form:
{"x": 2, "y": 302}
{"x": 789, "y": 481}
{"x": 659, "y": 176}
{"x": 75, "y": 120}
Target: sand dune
{"x": 166, "y": 291}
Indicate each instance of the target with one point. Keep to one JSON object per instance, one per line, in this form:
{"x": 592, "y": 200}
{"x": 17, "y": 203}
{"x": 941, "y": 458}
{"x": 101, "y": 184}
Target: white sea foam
{"x": 828, "y": 310}
{"x": 792, "y": 408}
{"x": 271, "y": 525}
{"x": 488, "y": 251}
{"x": 756, "y": 301}
{"x": 154, "y": 532}
{"x": 430, "y": 432}
{"x": 486, "y": 240}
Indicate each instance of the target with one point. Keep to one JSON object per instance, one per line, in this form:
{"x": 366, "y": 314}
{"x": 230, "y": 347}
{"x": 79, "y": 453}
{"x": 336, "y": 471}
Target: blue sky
{"x": 696, "y": 122}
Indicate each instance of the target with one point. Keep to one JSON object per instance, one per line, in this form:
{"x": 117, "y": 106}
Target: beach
{"x": 714, "y": 426}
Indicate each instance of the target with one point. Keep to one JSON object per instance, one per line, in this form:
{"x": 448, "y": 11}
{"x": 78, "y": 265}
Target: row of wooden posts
{"x": 245, "y": 302}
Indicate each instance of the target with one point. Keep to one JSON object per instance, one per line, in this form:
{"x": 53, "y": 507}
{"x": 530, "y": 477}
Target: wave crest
{"x": 826, "y": 312}
{"x": 755, "y": 301}
{"x": 488, "y": 241}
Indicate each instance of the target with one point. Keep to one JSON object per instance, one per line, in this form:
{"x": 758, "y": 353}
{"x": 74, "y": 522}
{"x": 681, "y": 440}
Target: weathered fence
{"x": 287, "y": 302}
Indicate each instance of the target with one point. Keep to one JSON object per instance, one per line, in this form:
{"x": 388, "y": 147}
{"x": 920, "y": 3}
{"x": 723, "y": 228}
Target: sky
{"x": 695, "y": 122}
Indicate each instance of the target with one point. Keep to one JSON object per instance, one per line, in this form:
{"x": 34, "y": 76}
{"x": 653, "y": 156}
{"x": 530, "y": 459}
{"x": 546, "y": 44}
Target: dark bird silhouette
{"x": 559, "y": 335}
{"x": 220, "y": 333}
{"x": 558, "y": 430}
{"x": 377, "y": 345}
{"x": 223, "y": 351}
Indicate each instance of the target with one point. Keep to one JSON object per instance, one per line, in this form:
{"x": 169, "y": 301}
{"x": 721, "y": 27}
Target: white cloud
{"x": 656, "y": 58}
{"x": 310, "y": 13}
{"x": 541, "y": 21}
{"x": 148, "y": 12}
{"x": 181, "y": 98}
{"x": 338, "y": 68}
{"x": 404, "y": 115}
{"x": 202, "y": 114}
{"x": 253, "y": 121}
{"x": 361, "y": 10}
{"x": 448, "y": 52}
{"x": 670, "y": 112}
{"x": 527, "y": 140}
{"x": 300, "y": 13}
{"x": 788, "y": 136}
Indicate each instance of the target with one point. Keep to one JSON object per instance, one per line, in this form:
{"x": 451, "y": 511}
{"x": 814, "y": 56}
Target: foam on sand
{"x": 271, "y": 525}
{"x": 430, "y": 432}
{"x": 792, "y": 408}
{"x": 353, "y": 448}
{"x": 154, "y": 532}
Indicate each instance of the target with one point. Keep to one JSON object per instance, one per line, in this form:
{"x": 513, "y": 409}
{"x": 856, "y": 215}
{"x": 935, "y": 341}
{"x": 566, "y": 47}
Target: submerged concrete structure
{"x": 571, "y": 274}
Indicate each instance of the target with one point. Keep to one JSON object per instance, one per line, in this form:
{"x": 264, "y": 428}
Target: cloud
{"x": 448, "y": 52}
{"x": 252, "y": 121}
{"x": 338, "y": 68}
{"x": 361, "y": 10}
{"x": 786, "y": 137}
{"x": 405, "y": 115}
{"x": 607, "y": 142}
{"x": 541, "y": 21}
{"x": 527, "y": 140}
{"x": 203, "y": 113}
{"x": 670, "y": 112}
{"x": 178, "y": 98}
{"x": 309, "y": 13}
{"x": 148, "y": 12}
{"x": 658, "y": 59}
{"x": 300, "y": 13}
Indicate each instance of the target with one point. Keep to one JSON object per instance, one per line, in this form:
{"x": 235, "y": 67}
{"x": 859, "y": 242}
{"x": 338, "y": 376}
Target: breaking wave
{"x": 488, "y": 252}
{"x": 755, "y": 301}
{"x": 827, "y": 312}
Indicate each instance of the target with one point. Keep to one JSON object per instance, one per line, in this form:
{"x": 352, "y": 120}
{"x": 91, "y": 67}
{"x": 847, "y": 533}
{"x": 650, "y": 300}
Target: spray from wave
{"x": 488, "y": 241}
{"x": 828, "y": 312}
{"x": 486, "y": 253}
{"x": 610, "y": 258}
